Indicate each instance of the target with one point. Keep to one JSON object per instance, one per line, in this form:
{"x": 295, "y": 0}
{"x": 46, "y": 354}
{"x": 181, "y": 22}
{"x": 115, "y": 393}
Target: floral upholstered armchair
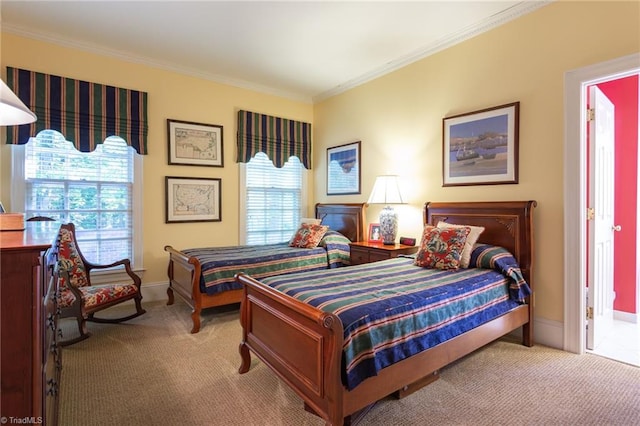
{"x": 81, "y": 299}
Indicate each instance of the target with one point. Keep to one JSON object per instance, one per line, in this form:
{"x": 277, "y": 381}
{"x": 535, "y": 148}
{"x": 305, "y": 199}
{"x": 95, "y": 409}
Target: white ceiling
{"x": 304, "y": 50}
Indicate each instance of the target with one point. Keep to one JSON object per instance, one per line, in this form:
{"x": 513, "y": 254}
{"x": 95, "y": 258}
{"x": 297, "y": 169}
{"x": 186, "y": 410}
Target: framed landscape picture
{"x": 195, "y": 144}
{"x": 481, "y": 147}
{"x": 190, "y": 199}
{"x": 343, "y": 169}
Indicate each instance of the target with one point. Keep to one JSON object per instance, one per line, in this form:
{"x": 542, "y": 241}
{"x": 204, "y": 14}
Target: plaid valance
{"x": 277, "y": 137}
{"x": 85, "y": 113}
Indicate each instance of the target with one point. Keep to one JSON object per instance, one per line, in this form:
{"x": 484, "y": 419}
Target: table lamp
{"x": 386, "y": 190}
{"x": 12, "y": 110}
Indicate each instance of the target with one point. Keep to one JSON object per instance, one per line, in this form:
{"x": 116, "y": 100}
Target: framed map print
{"x": 195, "y": 144}
{"x": 191, "y": 199}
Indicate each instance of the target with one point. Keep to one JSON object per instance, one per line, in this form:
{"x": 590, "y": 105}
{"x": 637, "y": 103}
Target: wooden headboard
{"x": 348, "y": 219}
{"x": 507, "y": 223}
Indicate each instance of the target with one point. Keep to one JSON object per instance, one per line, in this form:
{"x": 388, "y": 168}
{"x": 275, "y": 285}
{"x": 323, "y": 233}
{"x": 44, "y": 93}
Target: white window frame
{"x": 243, "y": 199}
{"x": 18, "y": 201}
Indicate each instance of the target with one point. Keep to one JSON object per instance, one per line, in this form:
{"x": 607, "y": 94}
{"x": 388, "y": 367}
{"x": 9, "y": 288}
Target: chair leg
{"x": 82, "y": 329}
{"x": 139, "y": 311}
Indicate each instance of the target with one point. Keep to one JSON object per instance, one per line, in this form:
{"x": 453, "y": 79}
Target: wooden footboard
{"x": 184, "y": 279}
{"x": 303, "y": 346}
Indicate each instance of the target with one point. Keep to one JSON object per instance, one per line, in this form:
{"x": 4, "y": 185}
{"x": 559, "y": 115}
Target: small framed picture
{"x": 1, "y": 208}
{"x": 191, "y": 199}
{"x": 195, "y": 144}
{"x": 374, "y": 233}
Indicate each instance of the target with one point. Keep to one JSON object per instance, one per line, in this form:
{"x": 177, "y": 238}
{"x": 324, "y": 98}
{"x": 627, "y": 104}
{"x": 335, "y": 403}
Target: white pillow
{"x": 475, "y": 232}
{"x": 310, "y": 220}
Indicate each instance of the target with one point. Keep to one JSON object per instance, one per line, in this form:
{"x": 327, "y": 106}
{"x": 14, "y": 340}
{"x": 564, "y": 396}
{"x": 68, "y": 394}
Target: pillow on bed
{"x": 308, "y": 235}
{"x": 474, "y": 233}
{"x": 441, "y": 248}
{"x": 311, "y": 220}
{"x": 500, "y": 259}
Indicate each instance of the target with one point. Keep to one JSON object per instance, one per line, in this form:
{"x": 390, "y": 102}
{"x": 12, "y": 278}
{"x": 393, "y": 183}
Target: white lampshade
{"x": 386, "y": 190}
{"x": 12, "y": 110}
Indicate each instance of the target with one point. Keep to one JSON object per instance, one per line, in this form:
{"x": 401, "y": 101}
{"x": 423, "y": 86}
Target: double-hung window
{"x": 272, "y": 199}
{"x": 274, "y": 155}
{"x": 98, "y": 191}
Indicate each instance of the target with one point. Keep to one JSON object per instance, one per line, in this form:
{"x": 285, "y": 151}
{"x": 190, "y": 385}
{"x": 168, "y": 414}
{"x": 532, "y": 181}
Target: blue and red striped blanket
{"x": 391, "y": 310}
{"x": 221, "y": 264}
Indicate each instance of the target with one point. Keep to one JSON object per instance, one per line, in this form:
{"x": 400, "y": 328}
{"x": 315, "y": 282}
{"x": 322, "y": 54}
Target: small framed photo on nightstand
{"x": 374, "y": 233}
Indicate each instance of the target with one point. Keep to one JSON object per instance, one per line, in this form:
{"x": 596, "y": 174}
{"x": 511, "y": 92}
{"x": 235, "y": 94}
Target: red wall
{"x": 624, "y": 95}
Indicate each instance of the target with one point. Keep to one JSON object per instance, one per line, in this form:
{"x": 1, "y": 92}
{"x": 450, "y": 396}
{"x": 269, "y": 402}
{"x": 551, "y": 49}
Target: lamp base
{"x": 388, "y": 225}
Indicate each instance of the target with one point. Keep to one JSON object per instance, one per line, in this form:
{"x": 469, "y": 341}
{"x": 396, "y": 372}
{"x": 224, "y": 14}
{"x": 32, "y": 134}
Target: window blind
{"x": 93, "y": 190}
{"x": 273, "y": 199}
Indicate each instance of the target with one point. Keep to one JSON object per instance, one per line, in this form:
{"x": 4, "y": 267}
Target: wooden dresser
{"x": 30, "y": 360}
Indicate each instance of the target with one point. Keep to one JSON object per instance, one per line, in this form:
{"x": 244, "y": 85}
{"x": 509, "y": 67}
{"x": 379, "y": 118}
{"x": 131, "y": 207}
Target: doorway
{"x": 575, "y": 186}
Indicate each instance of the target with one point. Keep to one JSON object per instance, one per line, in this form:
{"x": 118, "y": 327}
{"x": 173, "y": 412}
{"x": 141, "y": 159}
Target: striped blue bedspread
{"x": 391, "y": 310}
{"x": 221, "y": 264}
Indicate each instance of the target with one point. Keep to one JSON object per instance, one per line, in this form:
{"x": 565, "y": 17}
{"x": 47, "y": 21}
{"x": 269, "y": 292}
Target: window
{"x": 272, "y": 199}
{"x": 97, "y": 191}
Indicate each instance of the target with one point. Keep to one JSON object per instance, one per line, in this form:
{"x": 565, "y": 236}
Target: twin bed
{"x": 205, "y": 277}
{"x": 344, "y": 339}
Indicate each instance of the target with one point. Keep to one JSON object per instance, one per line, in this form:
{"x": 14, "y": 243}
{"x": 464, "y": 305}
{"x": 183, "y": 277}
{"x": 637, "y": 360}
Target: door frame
{"x": 575, "y": 175}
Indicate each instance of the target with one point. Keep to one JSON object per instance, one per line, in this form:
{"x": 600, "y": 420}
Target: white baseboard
{"x": 153, "y": 292}
{"x": 549, "y": 333}
{"x": 545, "y": 332}
{"x": 626, "y": 316}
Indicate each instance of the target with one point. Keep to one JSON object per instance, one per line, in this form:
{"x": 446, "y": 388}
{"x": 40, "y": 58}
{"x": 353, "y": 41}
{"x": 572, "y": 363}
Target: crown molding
{"x": 150, "y": 62}
{"x": 494, "y": 21}
{"x": 467, "y": 33}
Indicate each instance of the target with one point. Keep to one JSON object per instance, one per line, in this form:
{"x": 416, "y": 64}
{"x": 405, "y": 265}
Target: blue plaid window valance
{"x": 85, "y": 113}
{"x": 279, "y": 138}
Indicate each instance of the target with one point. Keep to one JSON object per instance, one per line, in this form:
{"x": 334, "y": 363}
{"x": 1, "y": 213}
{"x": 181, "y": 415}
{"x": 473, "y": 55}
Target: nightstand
{"x": 366, "y": 252}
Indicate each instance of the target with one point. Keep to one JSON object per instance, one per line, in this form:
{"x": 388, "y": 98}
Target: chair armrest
{"x": 123, "y": 262}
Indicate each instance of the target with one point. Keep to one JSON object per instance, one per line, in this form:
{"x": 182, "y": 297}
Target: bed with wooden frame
{"x": 303, "y": 345}
{"x": 184, "y": 271}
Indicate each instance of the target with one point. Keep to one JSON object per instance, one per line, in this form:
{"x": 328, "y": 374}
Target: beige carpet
{"x": 152, "y": 371}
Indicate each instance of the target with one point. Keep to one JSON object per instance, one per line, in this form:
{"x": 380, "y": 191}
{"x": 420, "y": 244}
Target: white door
{"x": 601, "y": 228}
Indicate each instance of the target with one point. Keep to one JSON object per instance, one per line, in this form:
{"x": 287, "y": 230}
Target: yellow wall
{"x": 172, "y": 96}
{"x": 398, "y": 118}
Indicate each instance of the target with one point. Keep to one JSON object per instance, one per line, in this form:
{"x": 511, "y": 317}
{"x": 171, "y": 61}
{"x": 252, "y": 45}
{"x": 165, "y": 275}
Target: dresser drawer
{"x": 375, "y": 255}
{"x": 359, "y": 256}
{"x": 367, "y": 252}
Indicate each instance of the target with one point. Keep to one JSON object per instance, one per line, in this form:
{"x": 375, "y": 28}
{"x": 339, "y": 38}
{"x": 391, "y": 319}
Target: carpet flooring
{"x": 152, "y": 371}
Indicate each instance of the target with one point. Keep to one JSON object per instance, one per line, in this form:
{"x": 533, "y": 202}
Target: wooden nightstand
{"x": 365, "y": 252}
